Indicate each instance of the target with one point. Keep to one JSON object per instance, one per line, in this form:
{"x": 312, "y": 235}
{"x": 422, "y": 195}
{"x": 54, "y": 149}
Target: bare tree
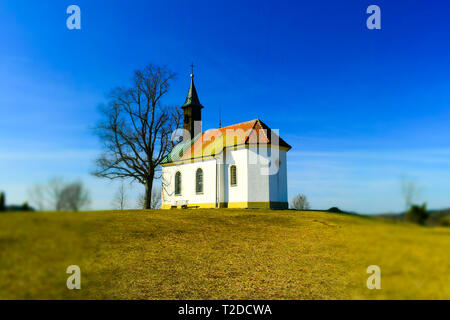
{"x": 136, "y": 129}
{"x": 156, "y": 200}
{"x": 300, "y": 202}
{"x": 36, "y": 197}
{"x": 120, "y": 198}
{"x": 58, "y": 195}
{"x": 52, "y": 193}
{"x": 47, "y": 196}
{"x": 410, "y": 191}
{"x": 74, "y": 197}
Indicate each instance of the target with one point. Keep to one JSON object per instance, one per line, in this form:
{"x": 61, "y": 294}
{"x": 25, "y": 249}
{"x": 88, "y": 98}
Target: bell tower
{"x": 192, "y": 111}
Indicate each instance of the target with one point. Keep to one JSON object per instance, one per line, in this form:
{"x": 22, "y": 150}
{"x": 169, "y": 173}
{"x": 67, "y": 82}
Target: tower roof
{"x": 192, "y": 99}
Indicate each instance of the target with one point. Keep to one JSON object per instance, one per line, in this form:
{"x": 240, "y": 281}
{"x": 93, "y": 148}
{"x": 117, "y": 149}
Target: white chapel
{"x": 238, "y": 166}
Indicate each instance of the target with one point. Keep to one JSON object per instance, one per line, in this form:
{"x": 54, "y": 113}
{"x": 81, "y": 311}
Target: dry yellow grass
{"x": 219, "y": 254}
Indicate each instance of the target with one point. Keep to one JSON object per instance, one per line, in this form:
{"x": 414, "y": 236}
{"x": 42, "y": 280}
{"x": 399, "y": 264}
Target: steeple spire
{"x": 192, "y": 96}
{"x": 192, "y": 108}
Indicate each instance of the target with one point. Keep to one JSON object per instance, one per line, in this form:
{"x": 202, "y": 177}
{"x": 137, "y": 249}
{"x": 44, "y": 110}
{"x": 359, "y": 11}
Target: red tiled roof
{"x": 213, "y": 141}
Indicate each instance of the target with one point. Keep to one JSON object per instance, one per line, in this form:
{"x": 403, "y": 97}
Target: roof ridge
{"x": 236, "y": 124}
{"x": 251, "y": 130}
{"x": 262, "y": 124}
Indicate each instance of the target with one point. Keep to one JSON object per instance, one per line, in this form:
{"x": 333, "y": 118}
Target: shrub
{"x": 300, "y": 202}
{"x": 335, "y": 210}
{"x": 26, "y": 207}
{"x": 417, "y": 214}
{"x": 444, "y": 222}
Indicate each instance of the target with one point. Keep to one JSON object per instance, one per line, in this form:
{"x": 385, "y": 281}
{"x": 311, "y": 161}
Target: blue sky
{"x": 360, "y": 107}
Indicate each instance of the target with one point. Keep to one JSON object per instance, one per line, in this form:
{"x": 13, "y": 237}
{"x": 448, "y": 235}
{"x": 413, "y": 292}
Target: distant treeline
{"x": 435, "y": 217}
{"x": 12, "y": 207}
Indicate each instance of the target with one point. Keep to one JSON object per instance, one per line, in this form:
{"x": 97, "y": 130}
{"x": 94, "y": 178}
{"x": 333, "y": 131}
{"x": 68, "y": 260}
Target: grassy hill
{"x": 219, "y": 254}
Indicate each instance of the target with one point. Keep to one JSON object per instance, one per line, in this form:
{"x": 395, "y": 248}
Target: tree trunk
{"x": 148, "y": 193}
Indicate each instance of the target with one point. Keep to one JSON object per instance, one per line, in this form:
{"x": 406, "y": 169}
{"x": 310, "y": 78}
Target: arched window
{"x": 178, "y": 183}
{"x": 233, "y": 175}
{"x": 199, "y": 181}
{"x": 278, "y": 163}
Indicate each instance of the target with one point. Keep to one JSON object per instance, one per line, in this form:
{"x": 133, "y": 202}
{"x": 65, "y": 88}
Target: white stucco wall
{"x": 258, "y": 180}
{"x": 267, "y": 175}
{"x": 239, "y": 158}
{"x": 278, "y": 182}
{"x": 188, "y": 171}
{"x": 258, "y": 184}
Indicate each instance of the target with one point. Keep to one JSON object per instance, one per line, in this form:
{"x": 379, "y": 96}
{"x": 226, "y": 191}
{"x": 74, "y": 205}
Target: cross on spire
{"x": 192, "y": 69}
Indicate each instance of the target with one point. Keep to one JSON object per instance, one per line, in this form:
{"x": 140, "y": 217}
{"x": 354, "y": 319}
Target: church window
{"x": 178, "y": 183}
{"x": 199, "y": 181}
{"x": 278, "y": 163}
{"x": 233, "y": 175}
